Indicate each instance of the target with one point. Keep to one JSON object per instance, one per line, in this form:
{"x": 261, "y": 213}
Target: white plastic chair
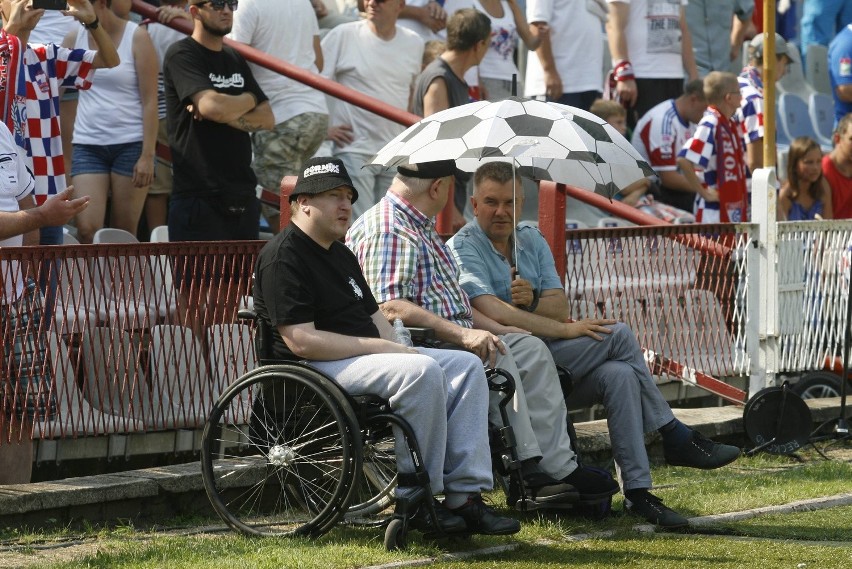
{"x": 821, "y": 111}
{"x": 160, "y": 234}
{"x": 129, "y": 284}
{"x": 68, "y": 239}
{"x": 794, "y": 117}
{"x": 231, "y": 355}
{"x": 794, "y": 80}
{"x": 183, "y": 394}
{"x": 816, "y": 72}
{"x": 74, "y": 415}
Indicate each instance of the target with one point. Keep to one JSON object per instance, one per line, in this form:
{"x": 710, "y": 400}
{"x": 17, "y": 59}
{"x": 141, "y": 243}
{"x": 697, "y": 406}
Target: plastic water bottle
{"x": 403, "y": 335}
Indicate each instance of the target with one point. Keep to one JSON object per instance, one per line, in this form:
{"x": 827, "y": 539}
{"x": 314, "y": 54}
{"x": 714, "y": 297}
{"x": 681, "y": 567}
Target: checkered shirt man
{"x": 47, "y": 68}
{"x": 750, "y": 113}
{"x": 701, "y": 151}
{"x": 403, "y": 257}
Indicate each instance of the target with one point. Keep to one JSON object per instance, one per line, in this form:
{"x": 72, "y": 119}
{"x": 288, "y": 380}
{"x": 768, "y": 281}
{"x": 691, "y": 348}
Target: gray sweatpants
{"x": 443, "y": 394}
{"x": 614, "y": 373}
{"x": 537, "y": 414}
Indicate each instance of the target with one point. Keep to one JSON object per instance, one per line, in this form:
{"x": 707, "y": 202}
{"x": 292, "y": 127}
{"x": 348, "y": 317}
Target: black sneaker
{"x": 645, "y": 505}
{"x": 701, "y": 452}
{"x": 591, "y": 485}
{"x": 448, "y": 521}
{"x": 544, "y": 490}
{"x": 482, "y": 519}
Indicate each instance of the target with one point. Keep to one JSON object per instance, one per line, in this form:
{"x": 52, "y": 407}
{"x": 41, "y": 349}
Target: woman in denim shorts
{"x": 115, "y": 131}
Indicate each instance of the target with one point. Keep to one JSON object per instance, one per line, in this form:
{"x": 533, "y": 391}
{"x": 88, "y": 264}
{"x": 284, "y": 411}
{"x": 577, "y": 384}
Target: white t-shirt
{"x": 16, "y": 182}
{"x": 498, "y": 62}
{"x": 52, "y": 28}
{"x": 285, "y": 30}
{"x": 576, "y": 37}
{"x": 415, "y": 26}
{"x": 654, "y": 38}
{"x": 357, "y": 58}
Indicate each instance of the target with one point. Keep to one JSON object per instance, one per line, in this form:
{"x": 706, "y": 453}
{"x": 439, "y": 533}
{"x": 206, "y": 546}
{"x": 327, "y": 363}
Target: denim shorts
{"x": 105, "y": 159}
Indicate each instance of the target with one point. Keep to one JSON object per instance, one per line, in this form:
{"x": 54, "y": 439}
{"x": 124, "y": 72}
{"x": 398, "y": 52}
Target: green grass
{"x": 778, "y": 540}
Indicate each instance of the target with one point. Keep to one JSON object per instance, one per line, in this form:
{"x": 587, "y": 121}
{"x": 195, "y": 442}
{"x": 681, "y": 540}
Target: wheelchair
{"x": 287, "y": 452}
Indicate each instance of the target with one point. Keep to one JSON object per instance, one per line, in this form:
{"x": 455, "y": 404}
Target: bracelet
{"x": 93, "y": 25}
{"x": 623, "y": 71}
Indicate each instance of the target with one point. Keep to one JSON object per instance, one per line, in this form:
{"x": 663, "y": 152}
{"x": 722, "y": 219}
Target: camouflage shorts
{"x": 281, "y": 151}
{"x": 25, "y": 376}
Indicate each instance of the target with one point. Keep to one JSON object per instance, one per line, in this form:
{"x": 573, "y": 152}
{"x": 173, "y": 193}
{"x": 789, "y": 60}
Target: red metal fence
{"x": 135, "y": 337}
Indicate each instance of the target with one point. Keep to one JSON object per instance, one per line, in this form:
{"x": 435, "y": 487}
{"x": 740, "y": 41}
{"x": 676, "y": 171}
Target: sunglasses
{"x": 219, "y": 4}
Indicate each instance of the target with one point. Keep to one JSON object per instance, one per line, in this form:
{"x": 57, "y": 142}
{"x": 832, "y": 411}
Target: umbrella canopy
{"x": 546, "y": 141}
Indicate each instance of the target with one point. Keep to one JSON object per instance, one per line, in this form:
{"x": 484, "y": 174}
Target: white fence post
{"x": 763, "y": 286}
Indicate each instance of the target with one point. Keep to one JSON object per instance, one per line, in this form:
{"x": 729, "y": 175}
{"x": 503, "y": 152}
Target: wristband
{"x": 534, "y": 305}
{"x": 623, "y": 71}
{"x": 93, "y": 25}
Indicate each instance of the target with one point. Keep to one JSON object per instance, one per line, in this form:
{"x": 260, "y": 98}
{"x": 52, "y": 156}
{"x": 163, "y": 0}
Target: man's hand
{"x": 340, "y": 135}
{"x": 552, "y": 85}
{"x": 522, "y": 290}
{"x": 81, "y": 10}
{"x": 483, "y": 344}
{"x": 388, "y": 347}
{"x": 433, "y": 16}
{"x": 590, "y": 327}
{"x": 709, "y": 194}
{"x": 166, "y": 14}
{"x": 627, "y": 92}
{"x": 22, "y": 17}
{"x": 59, "y": 209}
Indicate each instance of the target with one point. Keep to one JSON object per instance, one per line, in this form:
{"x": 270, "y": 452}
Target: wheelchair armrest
{"x": 566, "y": 380}
{"x": 247, "y": 314}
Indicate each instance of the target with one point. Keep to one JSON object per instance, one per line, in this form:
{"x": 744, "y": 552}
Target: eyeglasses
{"x": 219, "y": 5}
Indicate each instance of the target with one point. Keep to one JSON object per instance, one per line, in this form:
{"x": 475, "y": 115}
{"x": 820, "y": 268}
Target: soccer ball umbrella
{"x": 545, "y": 141}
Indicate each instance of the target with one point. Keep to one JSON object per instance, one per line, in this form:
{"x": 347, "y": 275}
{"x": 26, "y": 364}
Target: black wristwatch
{"x": 94, "y": 25}
{"x": 534, "y": 305}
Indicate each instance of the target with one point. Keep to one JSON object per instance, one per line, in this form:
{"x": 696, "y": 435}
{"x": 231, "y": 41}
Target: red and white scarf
{"x": 10, "y": 63}
{"x": 730, "y": 171}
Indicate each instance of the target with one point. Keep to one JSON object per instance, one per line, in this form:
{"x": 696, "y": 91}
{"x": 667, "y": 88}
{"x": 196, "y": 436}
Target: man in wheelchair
{"x": 413, "y": 276}
{"x": 310, "y": 288}
{"x": 606, "y": 360}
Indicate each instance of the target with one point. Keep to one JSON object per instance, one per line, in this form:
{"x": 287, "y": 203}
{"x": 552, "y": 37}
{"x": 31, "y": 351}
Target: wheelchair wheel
{"x": 395, "y": 535}
{"x": 281, "y": 452}
{"x": 374, "y": 492}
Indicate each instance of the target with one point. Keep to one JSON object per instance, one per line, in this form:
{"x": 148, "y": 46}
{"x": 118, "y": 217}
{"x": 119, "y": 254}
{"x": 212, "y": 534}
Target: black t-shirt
{"x": 298, "y": 281}
{"x": 209, "y": 158}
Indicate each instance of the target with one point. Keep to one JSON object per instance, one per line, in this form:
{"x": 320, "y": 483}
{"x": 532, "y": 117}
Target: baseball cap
{"x": 756, "y": 46}
{"x": 321, "y": 174}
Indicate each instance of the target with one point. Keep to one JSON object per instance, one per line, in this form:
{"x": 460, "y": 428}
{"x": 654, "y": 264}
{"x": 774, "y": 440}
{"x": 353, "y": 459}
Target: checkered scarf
{"x": 10, "y": 63}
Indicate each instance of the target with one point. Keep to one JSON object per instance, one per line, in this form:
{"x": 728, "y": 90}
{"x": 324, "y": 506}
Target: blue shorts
{"x": 105, "y": 159}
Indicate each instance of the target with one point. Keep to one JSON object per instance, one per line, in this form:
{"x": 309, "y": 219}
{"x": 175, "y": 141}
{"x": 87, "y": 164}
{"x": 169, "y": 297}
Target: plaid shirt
{"x": 403, "y": 257}
{"x": 47, "y": 68}
{"x": 750, "y": 113}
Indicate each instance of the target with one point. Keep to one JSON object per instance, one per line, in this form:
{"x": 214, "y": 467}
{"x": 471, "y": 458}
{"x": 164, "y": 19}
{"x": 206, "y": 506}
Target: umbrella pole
{"x": 514, "y": 218}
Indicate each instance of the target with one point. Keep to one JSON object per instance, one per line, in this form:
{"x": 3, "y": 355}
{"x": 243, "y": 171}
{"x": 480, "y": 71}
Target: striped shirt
{"x": 701, "y": 151}
{"x": 403, "y": 257}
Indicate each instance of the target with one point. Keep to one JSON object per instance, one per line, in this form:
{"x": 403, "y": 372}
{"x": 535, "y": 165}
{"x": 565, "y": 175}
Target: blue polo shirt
{"x": 485, "y": 271}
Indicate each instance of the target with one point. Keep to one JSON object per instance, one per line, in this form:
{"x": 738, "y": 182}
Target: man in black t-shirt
{"x": 213, "y": 102}
{"x": 310, "y": 288}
